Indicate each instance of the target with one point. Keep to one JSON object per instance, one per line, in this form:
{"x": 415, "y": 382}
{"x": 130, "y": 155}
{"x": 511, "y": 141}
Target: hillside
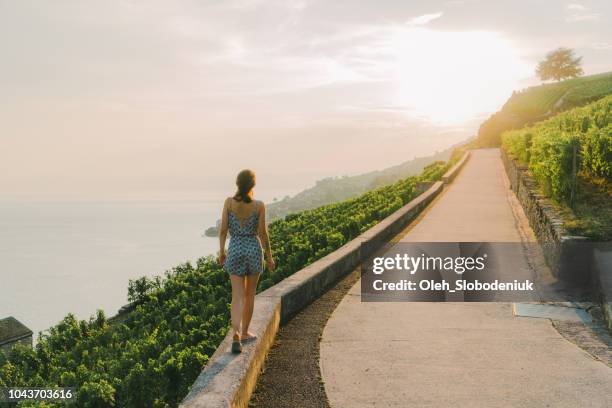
{"x": 570, "y": 156}
{"x": 537, "y": 103}
{"x": 334, "y": 189}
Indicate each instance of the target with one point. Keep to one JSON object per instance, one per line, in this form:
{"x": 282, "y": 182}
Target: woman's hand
{"x": 270, "y": 264}
{"x": 222, "y": 258}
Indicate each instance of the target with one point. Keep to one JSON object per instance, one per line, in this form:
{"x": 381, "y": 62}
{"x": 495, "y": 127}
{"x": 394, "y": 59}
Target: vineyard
{"x": 151, "y": 356}
{"x": 570, "y": 155}
{"x": 539, "y": 102}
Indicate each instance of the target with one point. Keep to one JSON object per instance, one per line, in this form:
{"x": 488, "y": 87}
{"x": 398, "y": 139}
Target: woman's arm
{"x": 223, "y": 231}
{"x": 262, "y": 231}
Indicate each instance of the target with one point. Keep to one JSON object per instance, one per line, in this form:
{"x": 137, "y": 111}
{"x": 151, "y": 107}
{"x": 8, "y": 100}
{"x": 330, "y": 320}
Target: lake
{"x": 59, "y": 257}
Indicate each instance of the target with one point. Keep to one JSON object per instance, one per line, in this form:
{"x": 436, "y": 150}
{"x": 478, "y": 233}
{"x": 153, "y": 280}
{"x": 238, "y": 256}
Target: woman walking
{"x": 245, "y": 219}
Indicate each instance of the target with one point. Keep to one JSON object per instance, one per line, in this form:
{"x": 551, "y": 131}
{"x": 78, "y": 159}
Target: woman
{"x": 245, "y": 218}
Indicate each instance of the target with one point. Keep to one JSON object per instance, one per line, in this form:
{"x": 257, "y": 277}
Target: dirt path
{"x": 291, "y": 376}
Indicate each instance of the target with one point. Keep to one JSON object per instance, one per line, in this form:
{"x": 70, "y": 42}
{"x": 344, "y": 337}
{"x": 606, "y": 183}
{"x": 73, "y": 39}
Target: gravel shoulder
{"x": 291, "y": 376}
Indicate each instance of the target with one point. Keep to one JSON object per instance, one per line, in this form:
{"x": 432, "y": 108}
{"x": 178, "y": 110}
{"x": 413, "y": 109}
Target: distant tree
{"x": 559, "y": 64}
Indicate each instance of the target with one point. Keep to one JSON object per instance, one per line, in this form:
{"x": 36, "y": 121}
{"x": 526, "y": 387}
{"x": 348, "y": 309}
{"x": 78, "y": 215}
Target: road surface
{"x": 454, "y": 354}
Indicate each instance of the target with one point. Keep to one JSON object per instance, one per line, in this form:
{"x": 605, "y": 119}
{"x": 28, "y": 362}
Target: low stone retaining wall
{"x": 561, "y": 249}
{"x": 228, "y": 380}
{"x": 591, "y": 268}
{"x": 453, "y": 171}
{"x": 601, "y": 269}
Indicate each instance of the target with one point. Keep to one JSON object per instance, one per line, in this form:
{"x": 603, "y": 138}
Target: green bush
{"x": 548, "y": 147}
{"x": 551, "y": 159}
{"x": 597, "y": 151}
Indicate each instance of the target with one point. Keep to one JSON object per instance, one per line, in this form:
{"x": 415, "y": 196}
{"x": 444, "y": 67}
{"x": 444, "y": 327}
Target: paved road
{"x": 458, "y": 354}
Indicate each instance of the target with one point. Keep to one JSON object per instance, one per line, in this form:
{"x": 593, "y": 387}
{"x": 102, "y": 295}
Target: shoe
{"x": 236, "y": 347}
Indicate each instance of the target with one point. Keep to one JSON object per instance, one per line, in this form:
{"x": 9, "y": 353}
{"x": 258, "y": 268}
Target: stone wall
{"x": 602, "y": 271}
{"x": 584, "y": 264}
{"x": 563, "y": 251}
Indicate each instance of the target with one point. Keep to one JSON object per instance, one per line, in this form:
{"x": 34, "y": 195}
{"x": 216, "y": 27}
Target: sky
{"x": 117, "y": 99}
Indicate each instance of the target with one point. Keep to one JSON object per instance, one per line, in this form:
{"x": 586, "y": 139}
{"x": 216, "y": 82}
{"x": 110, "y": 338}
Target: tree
{"x": 559, "y": 64}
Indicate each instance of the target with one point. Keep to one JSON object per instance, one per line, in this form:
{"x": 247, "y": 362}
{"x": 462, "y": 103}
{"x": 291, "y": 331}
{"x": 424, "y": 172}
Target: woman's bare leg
{"x": 250, "y": 287}
{"x": 238, "y": 286}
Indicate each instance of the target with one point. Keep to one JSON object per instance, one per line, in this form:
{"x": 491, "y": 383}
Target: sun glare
{"x": 451, "y": 77}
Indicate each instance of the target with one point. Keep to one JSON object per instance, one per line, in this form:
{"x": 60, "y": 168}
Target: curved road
{"x": 458, "y": 354}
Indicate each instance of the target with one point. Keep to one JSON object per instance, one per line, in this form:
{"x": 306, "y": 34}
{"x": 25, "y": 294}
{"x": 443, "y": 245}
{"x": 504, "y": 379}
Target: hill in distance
{"x": 333, "y": 189}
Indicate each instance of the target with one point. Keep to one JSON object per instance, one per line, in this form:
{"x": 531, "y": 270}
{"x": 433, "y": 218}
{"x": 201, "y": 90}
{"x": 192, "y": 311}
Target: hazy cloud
{"x": 582, "y": 17}
{"x": 424, "y": 19}
{"x": 602, "y": 46}
{"x": 579, "y": 12}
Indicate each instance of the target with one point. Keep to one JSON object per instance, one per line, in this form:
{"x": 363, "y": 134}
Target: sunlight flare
{"x": 450, "y": 77}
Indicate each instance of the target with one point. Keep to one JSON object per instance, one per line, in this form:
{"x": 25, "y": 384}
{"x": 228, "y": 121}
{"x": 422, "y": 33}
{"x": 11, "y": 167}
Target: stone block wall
{"x": 563, "y": 251}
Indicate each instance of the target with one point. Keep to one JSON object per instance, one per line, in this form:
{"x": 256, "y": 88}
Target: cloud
{"x": 601, "y": 46}
{"x": 459, "y": 2}
{"x": 424, "y": 19}
{"x": 578, "y": 13}
{"x": 574, "y": 18}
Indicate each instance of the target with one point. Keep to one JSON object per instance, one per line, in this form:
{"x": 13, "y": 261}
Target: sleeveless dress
{"x": 244, "y": 252}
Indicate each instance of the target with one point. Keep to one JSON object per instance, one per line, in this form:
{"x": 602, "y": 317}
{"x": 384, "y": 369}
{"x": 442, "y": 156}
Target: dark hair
{"x": 245, "y": 181}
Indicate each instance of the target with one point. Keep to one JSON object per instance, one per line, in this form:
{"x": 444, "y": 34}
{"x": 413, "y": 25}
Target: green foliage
{"x": 334, "y": 189}
{"x": 139, "y": 289}
{"x": 587, "y": 90}
{"x": 539, "y": 102}
{"x": 98, "y": 394}
{"x": 559, "y": 64}
{"x": 151, "y": 356}
{"x": 597, "y": 151}
{"x": 551, "y": 161}
{"x": 547, "y": 147}
{"x": 581, "y": 137}
{"x": 536, "y": 101}
{"x": 148, "y": 359}
{"x": 303, "y": 237}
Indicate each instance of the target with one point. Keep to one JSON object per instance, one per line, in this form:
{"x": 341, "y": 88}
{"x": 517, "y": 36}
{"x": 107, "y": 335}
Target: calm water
{"x": 60, "y": 257}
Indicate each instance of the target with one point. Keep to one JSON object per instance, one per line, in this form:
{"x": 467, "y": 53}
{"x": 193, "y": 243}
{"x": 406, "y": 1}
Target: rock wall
{"x": 602, "y": 271}
{"x": 564, "y": 252}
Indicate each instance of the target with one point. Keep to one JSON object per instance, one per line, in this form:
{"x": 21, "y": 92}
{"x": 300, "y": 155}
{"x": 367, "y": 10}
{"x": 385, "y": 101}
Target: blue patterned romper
{"x": 244, "y": 252}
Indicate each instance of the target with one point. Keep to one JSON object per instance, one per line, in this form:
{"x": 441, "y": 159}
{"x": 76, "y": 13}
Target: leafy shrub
{"x": 551, "y": 159}
{"x": 597, "y": 151}
{"x": 139, "y": 289}
{"x": 548, "y": 147}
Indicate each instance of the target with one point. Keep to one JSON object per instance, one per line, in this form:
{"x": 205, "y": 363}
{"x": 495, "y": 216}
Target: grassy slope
{"x": 538, "y": 102}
